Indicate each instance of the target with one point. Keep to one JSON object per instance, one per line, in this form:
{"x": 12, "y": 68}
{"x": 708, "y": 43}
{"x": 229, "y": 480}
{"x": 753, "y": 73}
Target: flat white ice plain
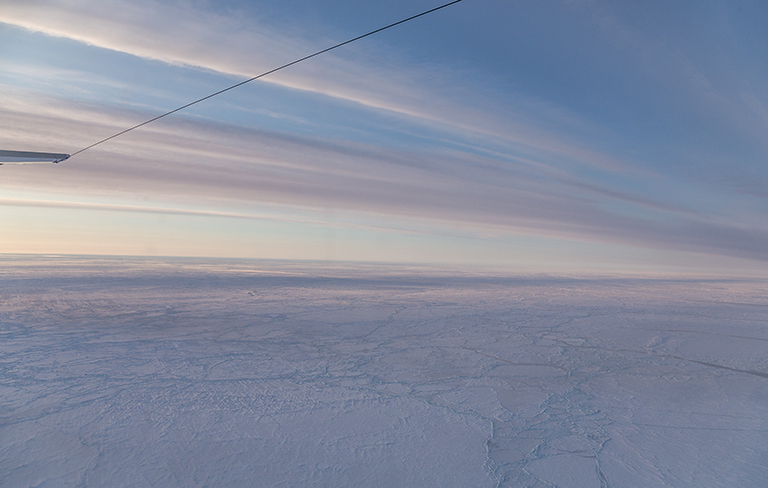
{"x": 179, "y": 373}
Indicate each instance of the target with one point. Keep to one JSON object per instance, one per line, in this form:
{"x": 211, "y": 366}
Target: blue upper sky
{"x": 552, "y": 135}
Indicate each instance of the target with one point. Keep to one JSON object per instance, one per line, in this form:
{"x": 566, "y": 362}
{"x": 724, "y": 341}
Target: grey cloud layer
{"x": 188, "y": 161}
{"x": 185, "y": 34}
{"x": 524, "y": 183}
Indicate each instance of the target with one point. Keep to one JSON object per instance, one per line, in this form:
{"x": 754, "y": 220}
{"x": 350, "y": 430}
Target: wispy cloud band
{"x": 192, "y": 161}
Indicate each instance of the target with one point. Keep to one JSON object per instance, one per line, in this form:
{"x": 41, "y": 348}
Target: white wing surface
{"x": 27, "y": 157}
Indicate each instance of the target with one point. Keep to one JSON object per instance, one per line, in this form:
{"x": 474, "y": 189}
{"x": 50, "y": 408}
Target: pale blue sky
{"x": 573, "y": 135}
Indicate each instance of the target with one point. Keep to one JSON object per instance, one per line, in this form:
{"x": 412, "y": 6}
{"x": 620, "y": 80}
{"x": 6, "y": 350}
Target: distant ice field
{"x": 223, "y": 373}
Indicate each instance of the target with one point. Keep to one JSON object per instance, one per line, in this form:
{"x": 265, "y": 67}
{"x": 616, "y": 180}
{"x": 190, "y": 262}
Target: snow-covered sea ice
{"x": 182, "y": 372}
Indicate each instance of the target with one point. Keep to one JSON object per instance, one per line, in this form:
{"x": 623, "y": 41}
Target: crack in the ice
{"x": 515, "y": 363}
{"x": 661, "y": 355}
{"x": 714, "y": 429}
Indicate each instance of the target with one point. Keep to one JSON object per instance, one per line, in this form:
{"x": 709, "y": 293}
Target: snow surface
{"x": 149, "y": 372}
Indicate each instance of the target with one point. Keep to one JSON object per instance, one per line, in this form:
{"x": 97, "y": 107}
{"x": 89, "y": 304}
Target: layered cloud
{"x": 512, "y": 165}
{"x": 182, "y": 33}
{"x": 196, "y": 166}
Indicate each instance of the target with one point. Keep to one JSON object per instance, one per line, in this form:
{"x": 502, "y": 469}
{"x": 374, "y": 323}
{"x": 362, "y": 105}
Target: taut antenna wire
{"x": 265, "y": 74}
